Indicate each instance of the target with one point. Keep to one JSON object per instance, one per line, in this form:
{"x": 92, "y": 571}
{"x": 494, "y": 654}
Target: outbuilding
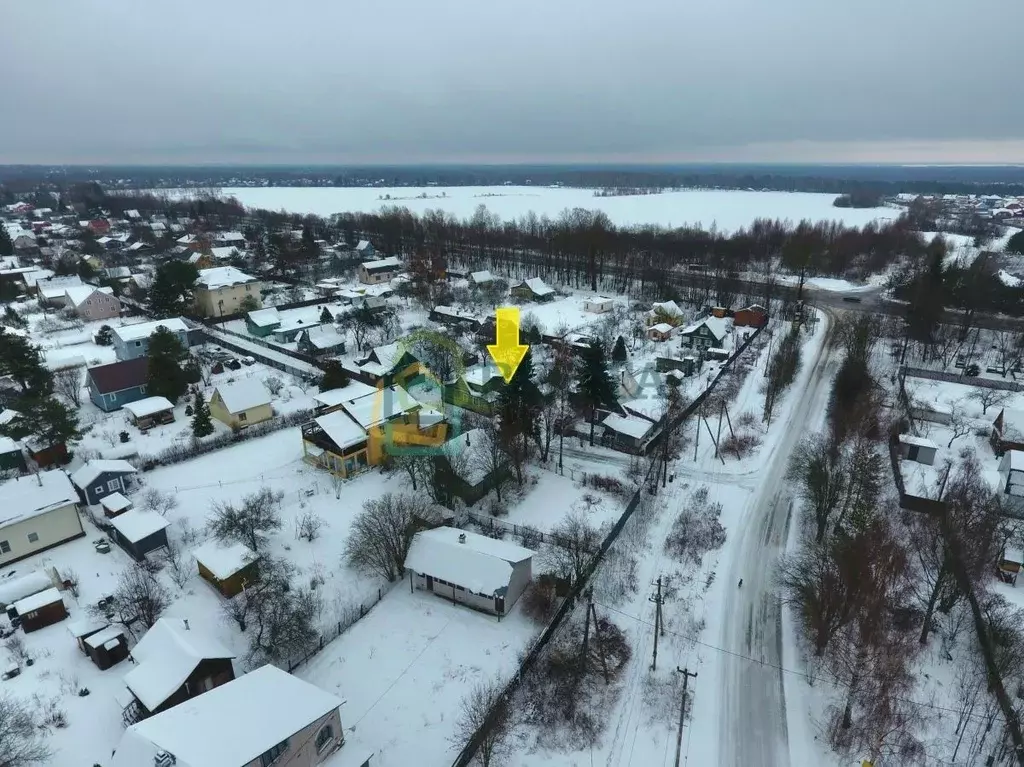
{"x": 14, "y": 589}
{"x": 229, "y": 568}
{"x": 40, "y": 610}
{"x": 106, "y": 647}
{"x": 140, "y": 532}
{"x": 468, "y": 568}
{"x": 917, "y": 449}
{"x": 242, "y": 403}
{"x": 598, "y": 304}
{"x": 149, "y": 412}
{"x": 114, "y": 505}
{"x": 101, "y": 477}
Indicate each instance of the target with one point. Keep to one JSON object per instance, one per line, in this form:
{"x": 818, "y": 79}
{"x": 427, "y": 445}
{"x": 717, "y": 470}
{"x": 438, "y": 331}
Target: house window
{"x": 324, "y": 738}
{"x": 5, "y": 547}
{"x": 114, "y": 484}
{"x": 242, "y": 417}
{"x": 98, "y": 489}
{"x": 138, "y": 343}
{"x": 33, "y": 537}
{"x": 271, "y": 756}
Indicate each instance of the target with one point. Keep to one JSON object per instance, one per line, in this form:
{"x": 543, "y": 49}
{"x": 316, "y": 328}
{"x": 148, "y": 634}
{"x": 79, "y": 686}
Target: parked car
{"x": 972, "y": 370}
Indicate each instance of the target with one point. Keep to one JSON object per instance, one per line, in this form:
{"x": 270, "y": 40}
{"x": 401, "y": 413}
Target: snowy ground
{"x": 727, "y": 210}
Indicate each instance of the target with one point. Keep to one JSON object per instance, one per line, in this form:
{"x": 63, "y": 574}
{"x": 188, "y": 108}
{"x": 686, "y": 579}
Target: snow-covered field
{"x": 727, "y": 210}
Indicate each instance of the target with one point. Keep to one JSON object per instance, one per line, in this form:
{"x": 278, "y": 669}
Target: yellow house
{"x": 220, "y": 291}
{"x": 241, "y": 403}
{"x": 368, "y": 429}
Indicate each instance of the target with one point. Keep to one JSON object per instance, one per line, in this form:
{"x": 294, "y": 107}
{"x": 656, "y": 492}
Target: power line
{"x": 777, "y": 667}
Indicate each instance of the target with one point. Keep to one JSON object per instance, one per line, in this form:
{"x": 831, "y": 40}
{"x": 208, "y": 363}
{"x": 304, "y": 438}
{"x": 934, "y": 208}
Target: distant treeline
{"x": 838, "y": 179}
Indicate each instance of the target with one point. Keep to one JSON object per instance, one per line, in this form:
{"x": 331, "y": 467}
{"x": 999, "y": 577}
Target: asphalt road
{"x": 753, "y": 730}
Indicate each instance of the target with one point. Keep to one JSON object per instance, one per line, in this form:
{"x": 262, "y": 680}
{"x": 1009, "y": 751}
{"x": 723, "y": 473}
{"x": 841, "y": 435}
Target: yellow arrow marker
{"x": 508, "y": 352}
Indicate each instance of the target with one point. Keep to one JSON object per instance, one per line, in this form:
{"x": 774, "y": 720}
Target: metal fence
{"x": 530, "y": 535}
{"x": 207, "y": 337}
{"x": 352, "y": 615}
{"x": 940, "y": 375}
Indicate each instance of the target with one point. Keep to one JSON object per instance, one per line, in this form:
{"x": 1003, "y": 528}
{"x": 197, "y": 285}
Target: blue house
{"x": 113, "y": 386}
{"x": 132, "y": 341}
{"x": 99, "y": 478}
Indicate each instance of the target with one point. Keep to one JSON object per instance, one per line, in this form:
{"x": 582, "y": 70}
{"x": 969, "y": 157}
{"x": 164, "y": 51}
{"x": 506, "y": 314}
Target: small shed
{"x": 13, "y": 589}
{"x": 660, "y": 332}
{"x": 229, "y": 568}
{"x": 83, "y": 628}
{"x": 40, "y": 610}
{"x": 11, "y": 457}
{"x": 106, "y": 647}
{"x": 1010, "y": 564}
{"x": 917, "y": 449}
{"x": 149, "y": 412}
{"x": 598, "y": 305}
{"x": 114, "y": 505}
{"x": 140, "y": 532}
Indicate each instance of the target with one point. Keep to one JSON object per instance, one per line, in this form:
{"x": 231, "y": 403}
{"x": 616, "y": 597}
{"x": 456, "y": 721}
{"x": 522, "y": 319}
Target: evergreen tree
{"x": 596, "y": 388}
{"x": 334, "y": 376}
{"x": 6, "y": 244}
{"x": 202, "y": 424}
{"x": 166, "y": 376}
{"x": 248, "y": 304}
{"x": 325, "y": 316}
{"x": 171, "y": 294}
{"x": 1013, "y": 245}
{"x": 519, "y": 407}
{"x": 619, "y": 352}
{"x": 105, "y": 336}
{"x": 44, "y": 418}
{"x": 20, "y": 360}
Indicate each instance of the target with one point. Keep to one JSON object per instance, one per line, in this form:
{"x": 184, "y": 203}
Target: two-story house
{"x": 706, "y": 333}
{"x": 113, "y": 386}
{"x": 533, "y": 289}
{"x": 36, "y": 514}
{"x": 98, "y": 478}
{"x": 382, "y": 270}
{"x": 132, "y": 341}
{"x": 223, "y": 290}
{"x": 92, "y": 303}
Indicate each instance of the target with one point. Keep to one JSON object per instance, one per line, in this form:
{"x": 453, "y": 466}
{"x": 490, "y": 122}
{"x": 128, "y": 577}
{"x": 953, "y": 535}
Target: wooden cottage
{"x": 229, "y": 568}
{"x": 149, "y": 412}
{"x": 105, "y": 645}
{"x": 40, "y": 610}
{"x": 139, "y": 532}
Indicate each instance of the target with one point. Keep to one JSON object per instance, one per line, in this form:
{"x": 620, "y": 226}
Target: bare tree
{"x": 987, "y": 397}
{"x": 21, "y": 740}
{"x": 139, "y": 597}
{"x": 68, "y": 384}
{"x": 308, "y": 527}
{"x": 490, "y": 459}
{"x": 258, "y": 515}
{"x": 485, "y": 714}
{"x": 157, "y": 500}
{"x": 274, "y": 385}
{"x": 959, "y": 424}
{"x": 576, "y": 543}
{"x": 817, "y": 467}
{"x": 275, "y": 580}
{"x": 419, "y": 467}
{"x": 382, "y": 534}
{"x": 177, "y": 565}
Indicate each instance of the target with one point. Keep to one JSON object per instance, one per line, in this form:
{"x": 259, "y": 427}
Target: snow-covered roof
{"x": 477, "y": 563}
{"x": 222, "y": 277}
{"x": 13, "y": 589}
{"x": 324, "y": 336}
{"x": 85, "y": 626}
{"x": 1013, "y": 423}
{"x": 474, "y": 448}
{"x": 146, "y": 329}
{"x": 25, "y": 497}
{"x": 103, "y": 636}
{"x": 669, "y": 308}
{"x": 334, "y": 397}
{"x": 89, "y": 471}
{"x": 388, "y": 356}
{"x": 136, "y": 525}
{"x": 79, "y": 294}
{"x": 7, "y": 445}
{"x": 243, "y": 395}
{"x": 115, "y": 502}
{"x": 343, "y": 431}
{"x": 631, "y": 426}
{"x": 383, "y": 263}
{"x": 41, "y": 599}
{"x": 451, "y": 311}
{"x": 166, "y": 655}
{"x": 910, "y": 439}
{"x": 263, "y": 318}
{"x": 231, "y": 725}
{"x": 148, "y": 406}
{"x": 662, "y": 327}
{"x": 481, "y": 277}
{"x": 481, "y": 374}
{"x": 719, "y": 326}
{"x": 224, "y": 253}
{"x": 1011, "y": 554}
{"x": 537, "y": 286}
{"x": 230, "y": 237}
{"x": 382, "y": 405}
{"x": 223, "y": 560}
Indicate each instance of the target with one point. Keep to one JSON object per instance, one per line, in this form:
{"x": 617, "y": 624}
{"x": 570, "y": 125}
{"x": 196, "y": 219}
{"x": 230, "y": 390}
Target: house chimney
{"x": 163, "y": 759}
{"x": 39, "y": 479}
{"x": 185, "y": 621}
{"x": 462, "y": 537}
{"x": 467, "y": 439}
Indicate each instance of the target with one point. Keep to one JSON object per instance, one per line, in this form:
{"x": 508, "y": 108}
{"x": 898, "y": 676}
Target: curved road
{"x": 753, "y": 731}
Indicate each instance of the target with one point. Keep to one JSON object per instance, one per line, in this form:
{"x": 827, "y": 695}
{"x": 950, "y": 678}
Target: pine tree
{"x": 334, "y": 376}
{"x": 596, "y": 388}
{"x": 6, "y": 245}
{"x": 20, "y": 360}
{"x": 326, "y": 317}
{"x": 519, "y": 407}
{"x": 166, "y": 374}
{"x": 171, "y": 293}
{"x": 105, "y": 336}
{"x": 202, "y": 424}
{"x": 47, "y": 419}
{"x": 619, "y": 352}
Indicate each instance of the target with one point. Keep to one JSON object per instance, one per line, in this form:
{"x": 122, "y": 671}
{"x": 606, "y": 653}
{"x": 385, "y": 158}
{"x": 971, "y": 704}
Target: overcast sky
{"x": 377, "y": 81}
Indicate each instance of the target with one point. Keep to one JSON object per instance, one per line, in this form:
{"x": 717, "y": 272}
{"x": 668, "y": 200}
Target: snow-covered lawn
{"x": 727, "y": 210}
{"x": 404, "y": 669}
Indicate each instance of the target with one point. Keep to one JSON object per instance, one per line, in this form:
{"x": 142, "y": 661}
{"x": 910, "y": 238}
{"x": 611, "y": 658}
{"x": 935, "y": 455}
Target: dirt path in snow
{"x": 753, "y": 730}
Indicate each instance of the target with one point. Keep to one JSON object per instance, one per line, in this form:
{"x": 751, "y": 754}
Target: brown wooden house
{"x": 41, "y": 610}
{"x": 1008, "y": 431}
{"x": 176, "y": 661}
{"x": 229, "y": 568}
{"x": 105, "y": 645}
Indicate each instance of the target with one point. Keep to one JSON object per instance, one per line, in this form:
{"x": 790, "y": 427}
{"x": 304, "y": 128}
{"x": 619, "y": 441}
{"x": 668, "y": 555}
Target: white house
{"x": 382, "y": 270}
{"x": 598, "y": 304}
{"x": 37, "y": 512}
{"x": 481, "y": 278}
{"x": 262, "y": 718}
{"x": 917, "y": 449}
{"x": 472, "y": 569}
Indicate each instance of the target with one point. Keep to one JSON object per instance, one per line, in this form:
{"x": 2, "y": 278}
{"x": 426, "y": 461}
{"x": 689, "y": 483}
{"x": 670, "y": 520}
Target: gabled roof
{"x": 93, "y": 469}
{"x": 1013, "y": 424}
{"x": 222, "y": 277}
{"x": 537, "y": 286}
{"x": 631, "y": 426}
{"x": 669, "y": 308}
{"x": 479, "y": 278}
{"x": 353, "y": 390}
{"x": 264, "y": 318}
{"x": 78, "y": 295}
{"x": 480, "y": 564}
{"x": 323, "y": 337}
{"x": 229, "y": 726}
{"x": 166, "y": 655}
{"x": 362, "y": 245}
{"x": 381, "y": 406}
{"x": 25, "y": 497}
{"x": 118, "y": 376}
{"x": 719, "y": 327}
{"x": 223, "y": 559}
{"x": 243, "y": 395}
{"x": 142, "y": 330}
{"x": 383, "y": 263}
{"x": 342, "y": 430}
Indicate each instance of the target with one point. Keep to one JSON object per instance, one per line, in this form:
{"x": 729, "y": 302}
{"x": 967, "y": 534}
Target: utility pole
{"x": 657, "y": 599}
{"x": 682, "y": 710}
